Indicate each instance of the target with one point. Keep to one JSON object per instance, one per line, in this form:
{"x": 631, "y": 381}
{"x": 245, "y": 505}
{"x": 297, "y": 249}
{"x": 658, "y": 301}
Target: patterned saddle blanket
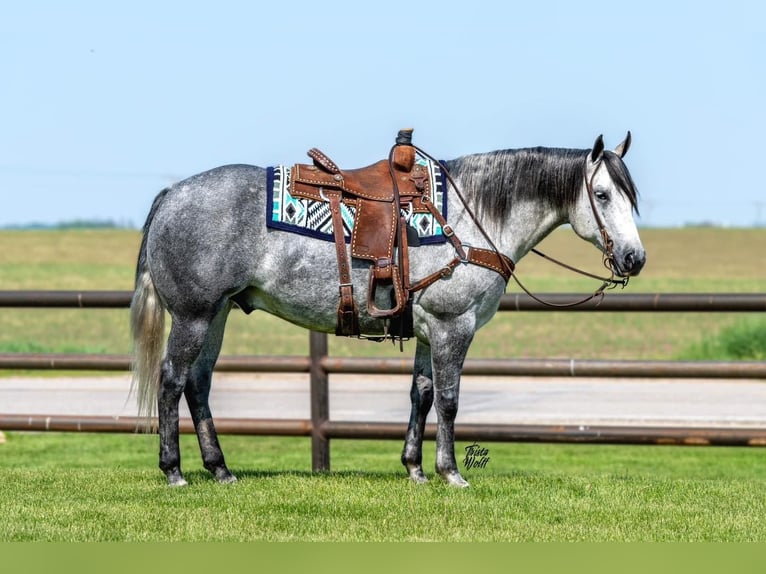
{"x": 313, "y": 218}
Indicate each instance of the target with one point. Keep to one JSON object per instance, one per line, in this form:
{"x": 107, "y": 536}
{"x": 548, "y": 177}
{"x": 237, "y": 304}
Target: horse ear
{"x": 622, "y": 149}
{"x": 598, "y": 149}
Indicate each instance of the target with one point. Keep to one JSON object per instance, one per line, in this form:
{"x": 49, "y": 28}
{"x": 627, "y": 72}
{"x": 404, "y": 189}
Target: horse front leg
{"x": 422, "y": 397}
{"x": 448, "y": 350}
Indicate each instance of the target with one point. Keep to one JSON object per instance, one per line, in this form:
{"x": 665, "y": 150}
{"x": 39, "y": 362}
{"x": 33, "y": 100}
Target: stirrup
{"x": 386, "y": 273}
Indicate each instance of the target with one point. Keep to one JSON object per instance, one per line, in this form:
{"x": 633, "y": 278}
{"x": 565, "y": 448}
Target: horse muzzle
{"x": 629, "y": 263}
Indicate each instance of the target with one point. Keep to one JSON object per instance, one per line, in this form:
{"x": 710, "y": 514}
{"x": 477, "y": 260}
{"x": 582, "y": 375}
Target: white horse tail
{"x": 147, "y": 326}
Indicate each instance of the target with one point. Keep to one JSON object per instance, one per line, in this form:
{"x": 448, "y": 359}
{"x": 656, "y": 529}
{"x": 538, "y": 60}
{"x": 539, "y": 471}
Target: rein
{"x": 508, "y": 266}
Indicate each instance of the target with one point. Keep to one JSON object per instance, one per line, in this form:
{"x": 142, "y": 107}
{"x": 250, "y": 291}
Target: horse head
{"x": 604, "y": 212}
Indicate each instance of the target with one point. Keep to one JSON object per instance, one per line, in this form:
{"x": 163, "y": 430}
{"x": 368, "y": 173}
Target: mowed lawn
{"x": 57, "y": 487}
{"x": 96, "y": 487}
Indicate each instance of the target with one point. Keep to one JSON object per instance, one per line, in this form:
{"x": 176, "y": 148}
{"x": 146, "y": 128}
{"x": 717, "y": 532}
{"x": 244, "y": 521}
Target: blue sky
{"x": 105, "y": 103}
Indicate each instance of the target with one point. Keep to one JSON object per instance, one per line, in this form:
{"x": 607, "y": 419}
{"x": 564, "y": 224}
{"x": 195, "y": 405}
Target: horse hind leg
{"x": 185, "y": 342}
{"x": 421, "y": 397}
{"x": 197, "y": 393}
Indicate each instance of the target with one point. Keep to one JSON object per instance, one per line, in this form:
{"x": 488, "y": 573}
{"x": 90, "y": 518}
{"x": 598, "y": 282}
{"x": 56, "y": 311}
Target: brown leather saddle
{"x": 379, "y": 193}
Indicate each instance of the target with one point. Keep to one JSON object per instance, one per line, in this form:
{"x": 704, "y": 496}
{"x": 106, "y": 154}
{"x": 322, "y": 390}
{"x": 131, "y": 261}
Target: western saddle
{"x": 379, "y": 193}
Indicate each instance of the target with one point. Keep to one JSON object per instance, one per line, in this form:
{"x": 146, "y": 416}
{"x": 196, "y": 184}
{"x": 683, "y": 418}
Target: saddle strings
{"x": 607, "y": 257}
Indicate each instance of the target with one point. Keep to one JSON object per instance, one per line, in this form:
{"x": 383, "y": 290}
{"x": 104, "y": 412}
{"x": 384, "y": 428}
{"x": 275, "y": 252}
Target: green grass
{"x": 67, "y": 487}
{"x": 90, "y": 487}
{"x": 679, "y": 260}
{"x": 745, "y": 340}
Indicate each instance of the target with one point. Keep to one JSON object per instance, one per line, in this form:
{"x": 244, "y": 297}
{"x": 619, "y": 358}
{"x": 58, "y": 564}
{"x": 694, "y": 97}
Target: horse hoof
{"x": 454, "y": 479}
{"x": 225, "y": 477}
{"x": 175, "y": 479}
{"x": 417, "y": 476}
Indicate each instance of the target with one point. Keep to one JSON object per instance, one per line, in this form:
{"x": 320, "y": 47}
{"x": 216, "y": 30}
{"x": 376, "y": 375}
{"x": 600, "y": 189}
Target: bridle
{"x": 608, "y": 259}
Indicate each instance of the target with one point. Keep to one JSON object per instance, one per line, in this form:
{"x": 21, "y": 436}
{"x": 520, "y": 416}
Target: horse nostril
{"x": 633, "y": 262}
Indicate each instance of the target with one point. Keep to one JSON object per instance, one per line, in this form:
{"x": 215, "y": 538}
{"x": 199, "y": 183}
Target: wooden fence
{"x": 319, "y": 365}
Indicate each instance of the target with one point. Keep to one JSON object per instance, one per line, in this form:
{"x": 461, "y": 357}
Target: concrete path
{"x": 507, "y": 400}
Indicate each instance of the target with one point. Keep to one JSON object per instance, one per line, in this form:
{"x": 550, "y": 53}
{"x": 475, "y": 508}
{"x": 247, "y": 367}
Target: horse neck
{"x": 528, "y": 222}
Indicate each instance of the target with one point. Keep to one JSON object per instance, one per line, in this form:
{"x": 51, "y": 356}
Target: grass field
{"x": 89, "y": 487}
{"x": 103, "y": 487}
{"x": 679, "y": 260}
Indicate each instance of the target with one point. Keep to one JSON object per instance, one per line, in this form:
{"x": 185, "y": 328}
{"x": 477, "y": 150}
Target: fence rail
{"x": 319, "y": 366}
{"x": 596, "y": 434}
{"x": 619, "y": 302}
{"x": 367, "y": 366}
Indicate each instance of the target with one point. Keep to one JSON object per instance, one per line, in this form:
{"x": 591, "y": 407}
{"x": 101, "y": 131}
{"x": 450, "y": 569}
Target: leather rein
{"x": 490, "y": 258}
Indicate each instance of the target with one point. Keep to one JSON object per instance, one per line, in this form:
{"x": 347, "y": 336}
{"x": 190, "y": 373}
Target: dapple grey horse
{"x": 206, "y": 249}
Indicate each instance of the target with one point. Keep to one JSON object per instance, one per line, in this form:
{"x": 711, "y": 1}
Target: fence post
{"x": 320, "y": 403}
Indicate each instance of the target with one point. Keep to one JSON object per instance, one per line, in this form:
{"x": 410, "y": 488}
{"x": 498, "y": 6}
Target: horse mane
{"x": 621, "y": 176}
{"x": 493, "y": 181}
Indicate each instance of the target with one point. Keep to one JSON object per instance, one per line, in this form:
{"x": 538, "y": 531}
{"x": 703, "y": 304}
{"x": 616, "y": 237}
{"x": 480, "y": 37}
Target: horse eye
{"x": 601, "y": 195}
